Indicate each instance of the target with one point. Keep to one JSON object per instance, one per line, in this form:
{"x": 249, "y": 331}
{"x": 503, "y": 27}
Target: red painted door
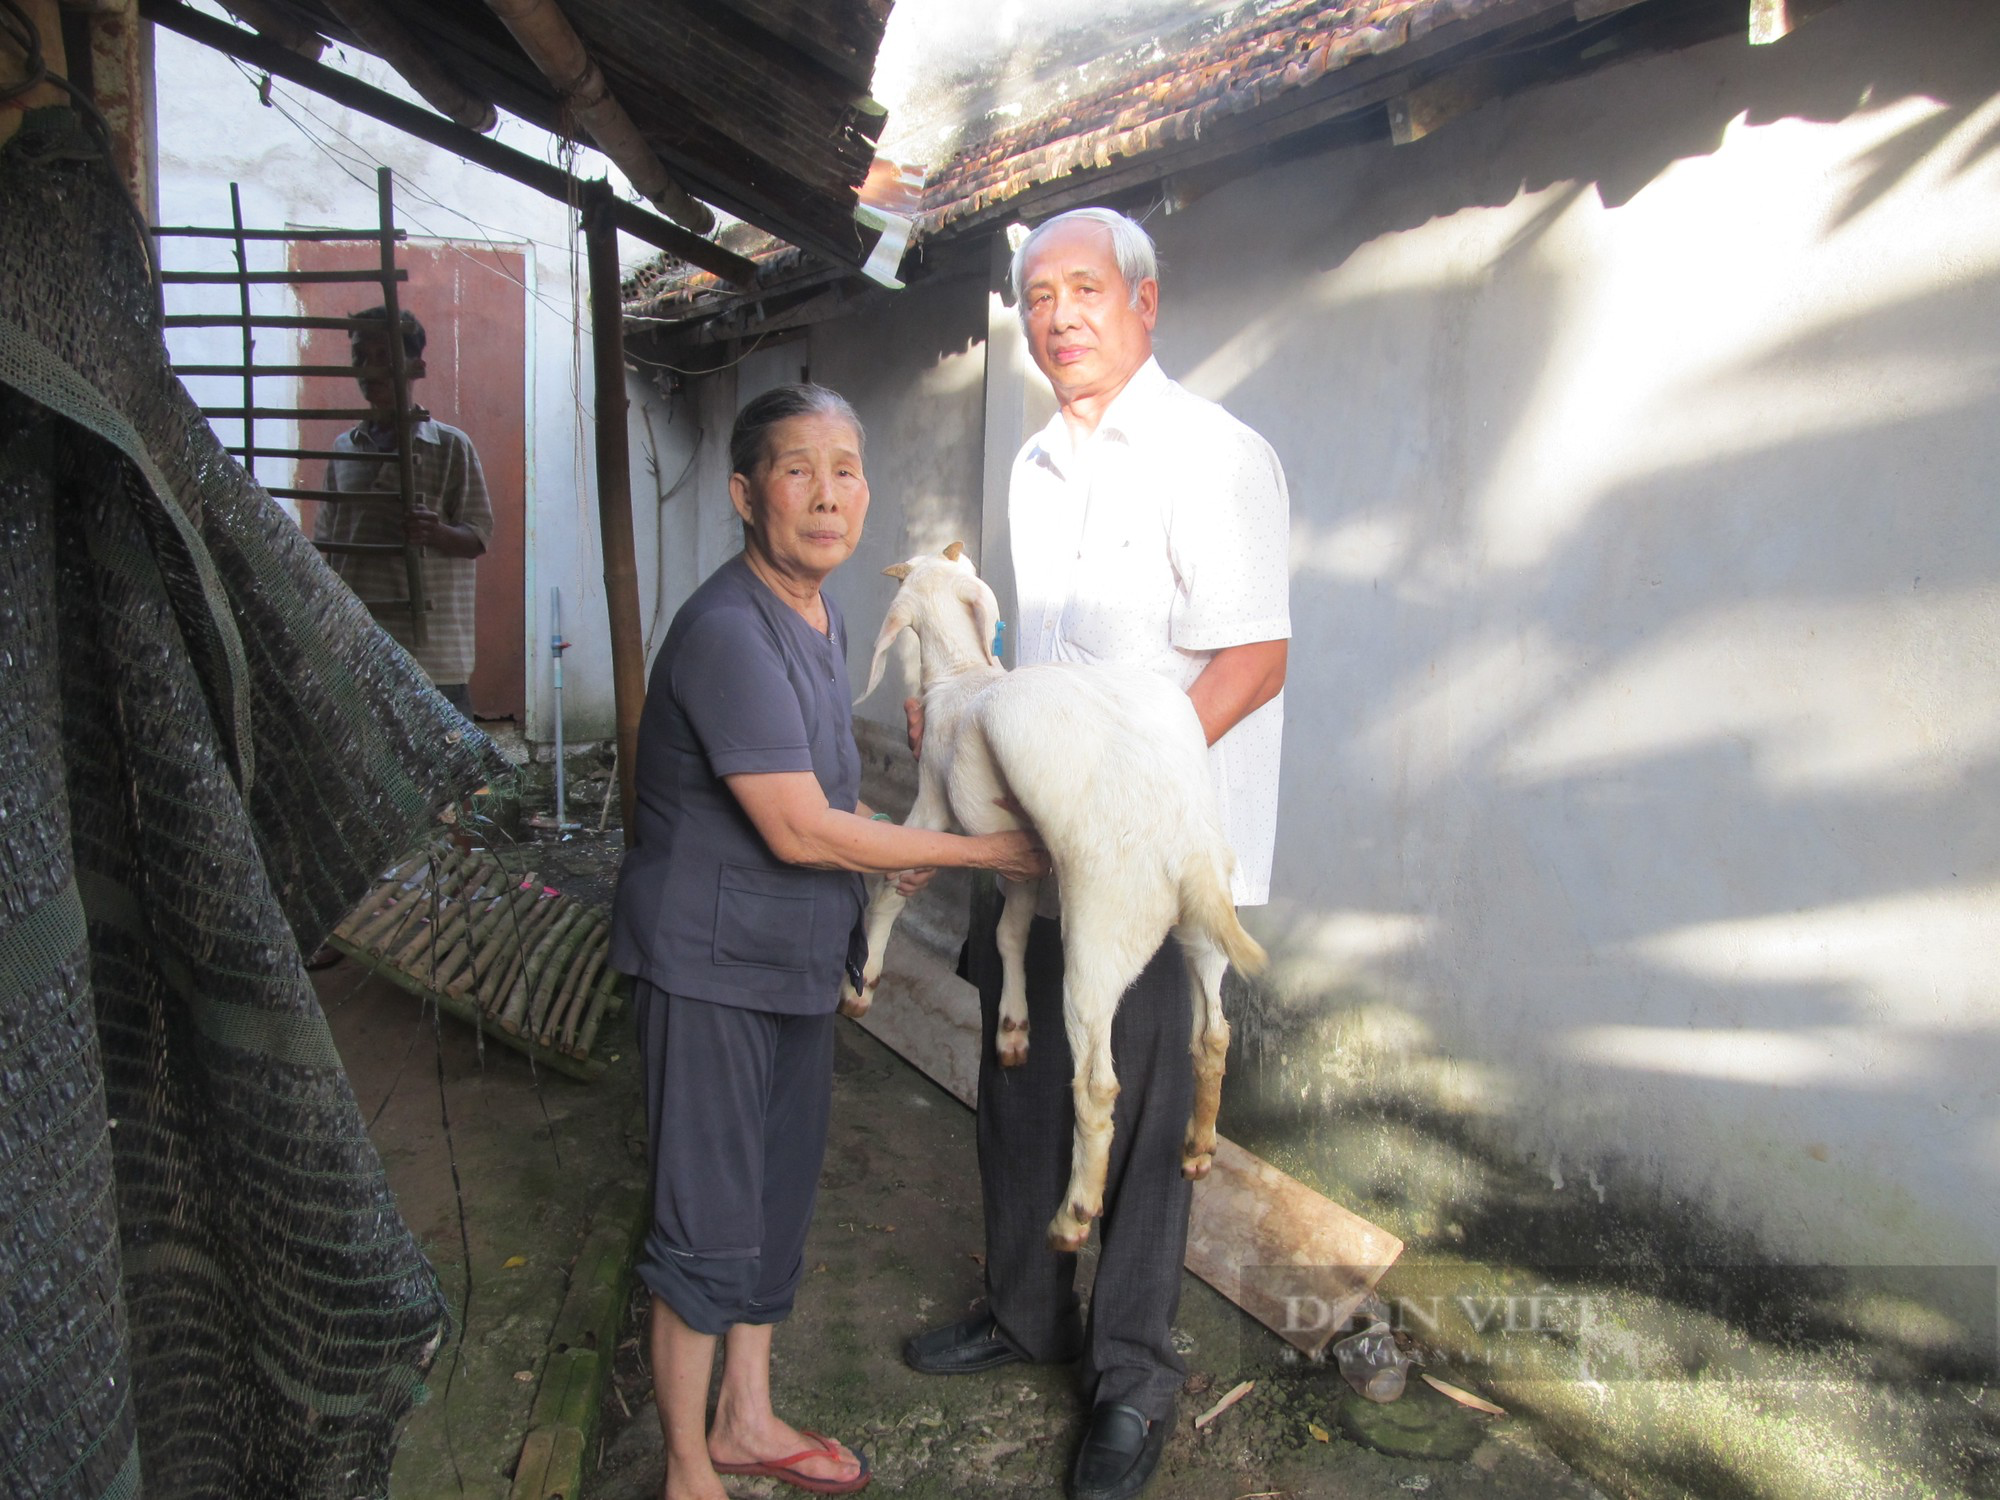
{"x": 473, "y": 302}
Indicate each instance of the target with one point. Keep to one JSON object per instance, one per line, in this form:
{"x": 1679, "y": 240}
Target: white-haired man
{"x": 1149, "y": 528}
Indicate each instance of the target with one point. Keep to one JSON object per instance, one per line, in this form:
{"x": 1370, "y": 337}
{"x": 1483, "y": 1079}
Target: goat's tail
{"x": 1206, "y": 905}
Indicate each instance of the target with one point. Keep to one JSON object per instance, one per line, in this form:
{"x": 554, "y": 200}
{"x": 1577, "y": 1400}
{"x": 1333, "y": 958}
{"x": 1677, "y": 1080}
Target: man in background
{"x": 452, "y": 520}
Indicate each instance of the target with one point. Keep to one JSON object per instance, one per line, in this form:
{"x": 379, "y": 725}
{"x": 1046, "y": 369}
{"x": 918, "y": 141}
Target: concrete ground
{"x": 895, "y": 1247}
{"x": 498, "y": 1166}
{"x": 506, "y": 1169}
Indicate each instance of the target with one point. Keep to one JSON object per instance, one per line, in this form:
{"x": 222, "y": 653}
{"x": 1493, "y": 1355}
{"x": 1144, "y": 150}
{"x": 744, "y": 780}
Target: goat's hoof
{"x": 1195, "y": 1167}
{"x": 1010, "y": 1043}
{"x": 1067, "y": 1234}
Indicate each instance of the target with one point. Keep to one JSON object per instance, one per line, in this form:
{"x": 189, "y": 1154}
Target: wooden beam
{"x": 1439, "y": 100}
{"x": 263, "y": 53}
{"x": 46, "y": 20}
{"x": 381, "y": 33}
{"x": 614, "y": 490}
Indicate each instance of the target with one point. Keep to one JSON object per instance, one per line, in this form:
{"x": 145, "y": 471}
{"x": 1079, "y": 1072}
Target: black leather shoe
{"x": 961, "y": 1348}
{"x": 1119, "y": 1453}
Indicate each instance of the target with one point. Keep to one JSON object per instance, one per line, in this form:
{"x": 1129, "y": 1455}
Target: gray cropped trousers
{"x": 737, "y": 1105}
{"x": 1024, "y": 1131}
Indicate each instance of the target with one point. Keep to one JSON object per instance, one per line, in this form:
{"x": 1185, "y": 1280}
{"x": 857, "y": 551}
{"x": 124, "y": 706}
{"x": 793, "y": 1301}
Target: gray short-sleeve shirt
{"x": 704, "y": 909}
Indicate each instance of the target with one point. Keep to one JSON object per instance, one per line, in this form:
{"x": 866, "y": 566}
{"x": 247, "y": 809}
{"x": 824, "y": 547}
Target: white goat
{"x": 1110, "y": 767}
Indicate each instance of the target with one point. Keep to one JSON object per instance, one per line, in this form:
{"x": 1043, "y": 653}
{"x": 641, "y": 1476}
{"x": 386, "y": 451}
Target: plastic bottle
{"x": 1372, "y": 1363}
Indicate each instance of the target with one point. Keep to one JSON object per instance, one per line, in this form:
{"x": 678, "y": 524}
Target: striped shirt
{"x": 449, "y": 481}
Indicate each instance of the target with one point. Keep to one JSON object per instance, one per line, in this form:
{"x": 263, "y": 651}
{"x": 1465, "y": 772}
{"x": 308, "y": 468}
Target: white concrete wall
{"x": 1640, "y": 787}
{"x": 922, "y": 410}
{"x": 311, "y": 162}
{"x": 1641, "y": 753}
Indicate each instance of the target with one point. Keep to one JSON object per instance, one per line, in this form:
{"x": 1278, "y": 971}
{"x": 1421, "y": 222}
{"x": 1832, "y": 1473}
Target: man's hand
{"x": 909, "y": 882}
{"x": 424, "y": 527}
{"x": 913, "y": 713}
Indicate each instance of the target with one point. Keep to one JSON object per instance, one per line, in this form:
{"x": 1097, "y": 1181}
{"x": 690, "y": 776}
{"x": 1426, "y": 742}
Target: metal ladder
{"x": 388, "y": 276}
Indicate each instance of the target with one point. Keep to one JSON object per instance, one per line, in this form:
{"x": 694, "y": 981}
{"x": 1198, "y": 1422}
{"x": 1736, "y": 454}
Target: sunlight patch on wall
{"x": 1886, "y": 695}
{"x": 1326, "y": 953}
{"x": 1429, "y": 261}
{"x": 1743, "y": 301}
{"x": 1922, "y": 960}
{"x": 1850, "y": 1057}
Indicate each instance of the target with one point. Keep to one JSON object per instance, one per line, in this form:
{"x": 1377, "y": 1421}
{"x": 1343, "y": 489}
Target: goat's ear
{"x": 985, "y": 608}
{"x": 897, "y": 622}
{"x": 897, "y": 571}
{"x": 954, "y": 552}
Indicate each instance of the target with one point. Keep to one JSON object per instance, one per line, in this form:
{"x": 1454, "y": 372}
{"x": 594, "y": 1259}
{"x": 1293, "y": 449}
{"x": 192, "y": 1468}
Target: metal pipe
{"x": 552, "y": 44}
{"x": 385, "y": 36}
{"x": 557, "y": 645}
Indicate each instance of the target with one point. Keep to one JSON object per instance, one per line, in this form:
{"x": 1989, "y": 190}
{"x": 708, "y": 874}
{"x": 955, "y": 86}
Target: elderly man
{"x": 452, "y": 519}
{"x": 1149, "y": 527}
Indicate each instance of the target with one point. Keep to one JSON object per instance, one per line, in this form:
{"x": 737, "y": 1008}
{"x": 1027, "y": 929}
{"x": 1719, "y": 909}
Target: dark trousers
{"x": 737, "y": 1104}
{"x": 1025, "y": 1123}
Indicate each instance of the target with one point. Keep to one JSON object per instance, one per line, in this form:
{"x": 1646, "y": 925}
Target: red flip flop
{"x": 785, "y": 1470}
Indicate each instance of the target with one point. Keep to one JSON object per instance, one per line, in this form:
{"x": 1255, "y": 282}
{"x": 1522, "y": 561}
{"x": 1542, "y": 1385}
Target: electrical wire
{"x": 362, "y": 158}
{"x": 660, "y": 364}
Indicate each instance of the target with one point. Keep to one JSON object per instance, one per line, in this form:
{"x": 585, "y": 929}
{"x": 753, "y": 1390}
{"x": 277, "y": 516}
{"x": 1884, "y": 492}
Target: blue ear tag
{"x": 999, "y": 635}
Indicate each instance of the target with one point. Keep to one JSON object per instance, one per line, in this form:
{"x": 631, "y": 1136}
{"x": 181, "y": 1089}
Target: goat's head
{"x": 942, "y": 591}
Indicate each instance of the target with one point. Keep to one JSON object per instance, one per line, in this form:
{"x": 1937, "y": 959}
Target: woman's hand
{"x": 913, "y": 720}
{"x": 1016, "y": 855}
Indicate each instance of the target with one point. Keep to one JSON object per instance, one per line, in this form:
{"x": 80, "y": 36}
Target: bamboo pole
{"x": 600, "y": 1000}
{"x": 564, "y": 1005}
{"x": 585, "y": 983}
{"x": 521, "y": 998}
{"x": 614, "y": 491}
{"x": 409, "y": 118}
{"x": 399, "y": 369}
{"x": 249, "y": 335}
{"x": 497, "y": 934}
{"x": 531, "y": 929}
{"x": 547, "y": 983}
{"x": 384, "y": 35}
{"x": 552, "y": 44}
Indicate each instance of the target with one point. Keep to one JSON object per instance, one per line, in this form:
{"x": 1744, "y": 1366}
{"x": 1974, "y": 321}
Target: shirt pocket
{"x": 763, "y": 920}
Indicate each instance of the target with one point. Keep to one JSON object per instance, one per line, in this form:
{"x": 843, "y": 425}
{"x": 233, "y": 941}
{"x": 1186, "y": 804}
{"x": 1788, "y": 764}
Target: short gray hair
{"x": 1130, "y": 245}
{"x": 749, "y": 440}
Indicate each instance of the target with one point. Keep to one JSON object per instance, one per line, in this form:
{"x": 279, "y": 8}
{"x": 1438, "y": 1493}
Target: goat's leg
{"x": 1010, "y": 1041}
{"x": 1106, "y": 944}
{"x": 1209, "y": 1042}
{"x": 1094, "y": 1090}
{"x": 930, "y": 810}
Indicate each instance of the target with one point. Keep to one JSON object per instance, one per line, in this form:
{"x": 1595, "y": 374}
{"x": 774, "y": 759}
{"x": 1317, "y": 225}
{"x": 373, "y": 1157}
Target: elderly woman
{"x": 738, "y": 907}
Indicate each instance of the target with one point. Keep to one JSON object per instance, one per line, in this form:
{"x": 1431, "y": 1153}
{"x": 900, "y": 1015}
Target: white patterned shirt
{"x": 1155, "y": 542}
